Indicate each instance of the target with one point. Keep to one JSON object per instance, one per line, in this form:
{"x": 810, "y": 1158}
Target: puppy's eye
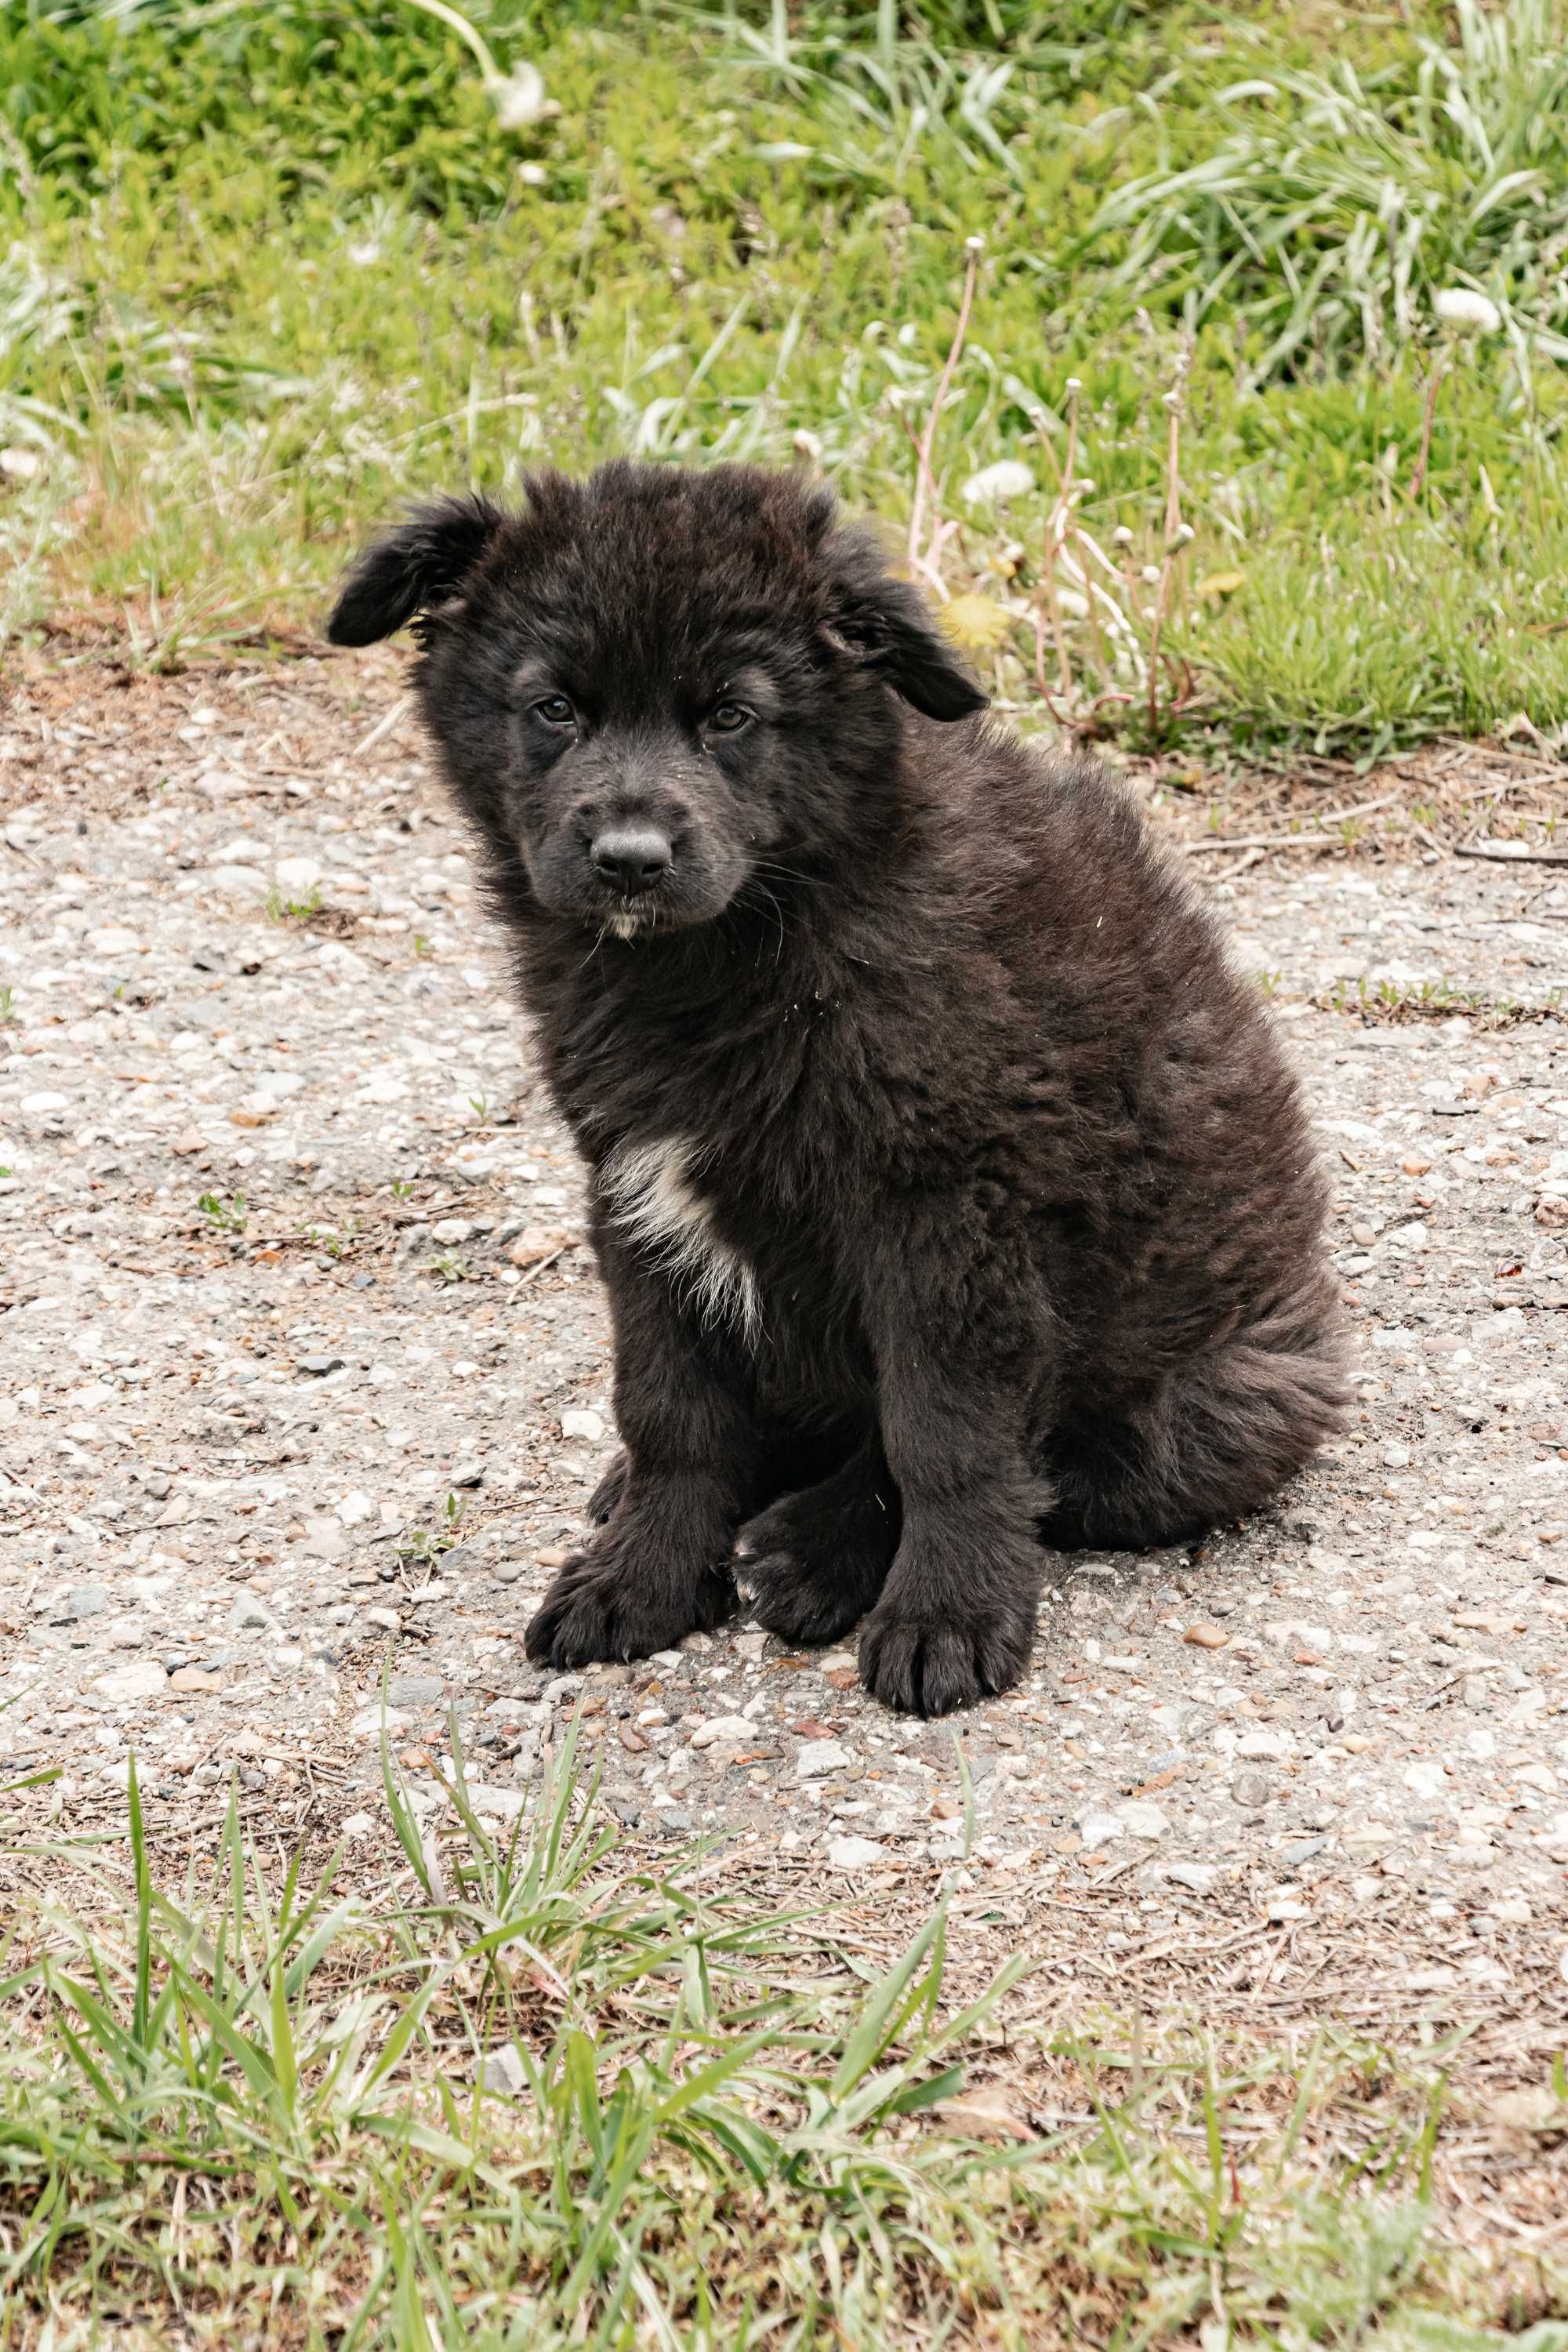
{"x": 728, "y": 718}
{"x": 554, "y": 709}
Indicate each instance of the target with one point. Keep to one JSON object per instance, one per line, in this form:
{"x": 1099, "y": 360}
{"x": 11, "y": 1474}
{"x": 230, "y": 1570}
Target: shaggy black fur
{"x": 951, "y": 1191}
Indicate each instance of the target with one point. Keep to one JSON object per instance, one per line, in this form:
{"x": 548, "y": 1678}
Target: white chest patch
{"x": 656, "y": 1203}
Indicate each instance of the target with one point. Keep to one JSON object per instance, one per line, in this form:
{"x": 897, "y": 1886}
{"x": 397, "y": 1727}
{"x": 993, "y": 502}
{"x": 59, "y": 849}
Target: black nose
{"x": 632, "y": 857}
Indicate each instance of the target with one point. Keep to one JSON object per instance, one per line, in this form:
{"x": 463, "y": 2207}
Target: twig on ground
{"x": 973, "y": 248}
{"x": 1418, "y": 479}
{"x": 1175, "y": 532}
{"x": 1500, "y": 854}
{"x": 1300, "y": 840}
{"x": 535, "y": 1271}
{"x": 1266, "y": 840}
{"x": 1055, "y": 534}
{"x": 383, "y": 726}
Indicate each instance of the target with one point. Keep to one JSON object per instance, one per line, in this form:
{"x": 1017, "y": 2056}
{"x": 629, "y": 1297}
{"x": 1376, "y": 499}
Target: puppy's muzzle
{"x": 631, "y": 858}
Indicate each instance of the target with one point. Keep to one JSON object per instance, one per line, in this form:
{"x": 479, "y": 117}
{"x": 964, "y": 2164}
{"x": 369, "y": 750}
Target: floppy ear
{"x": 413, "y": 569}
{"x": 886, "y": 626}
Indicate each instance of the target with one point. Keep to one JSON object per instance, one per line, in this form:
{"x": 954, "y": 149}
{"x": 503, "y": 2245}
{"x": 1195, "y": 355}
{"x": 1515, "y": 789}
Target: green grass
{"x": 230, "y": 1216}
{"x": 269, "y": 271}
{"x": 252, "y": 2109}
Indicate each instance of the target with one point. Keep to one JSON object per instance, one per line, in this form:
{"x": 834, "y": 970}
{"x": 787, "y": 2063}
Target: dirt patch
{"x": 304, "y": 1381}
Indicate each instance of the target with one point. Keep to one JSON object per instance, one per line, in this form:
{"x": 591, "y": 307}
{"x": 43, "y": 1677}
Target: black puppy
{"x": 951, "y": 1191}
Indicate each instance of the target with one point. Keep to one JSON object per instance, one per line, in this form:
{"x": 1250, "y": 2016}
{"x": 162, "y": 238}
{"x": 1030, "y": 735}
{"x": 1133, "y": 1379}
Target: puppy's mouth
{"x": 630, "y": 918}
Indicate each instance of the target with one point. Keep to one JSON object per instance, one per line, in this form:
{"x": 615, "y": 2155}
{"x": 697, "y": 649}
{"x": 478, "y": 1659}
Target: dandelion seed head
{"x": 1468, "y": 311}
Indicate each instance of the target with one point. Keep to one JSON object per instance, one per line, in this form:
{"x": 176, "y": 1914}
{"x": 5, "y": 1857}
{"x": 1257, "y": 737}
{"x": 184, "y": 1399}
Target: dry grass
{"x": 252, "y": 2108}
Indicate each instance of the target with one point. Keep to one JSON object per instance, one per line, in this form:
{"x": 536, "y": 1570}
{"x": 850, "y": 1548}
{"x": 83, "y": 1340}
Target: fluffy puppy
{"x": 951, "y": 1192}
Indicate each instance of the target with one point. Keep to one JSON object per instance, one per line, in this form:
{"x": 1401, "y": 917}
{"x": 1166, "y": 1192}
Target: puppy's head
{"x": 655, "y": 688}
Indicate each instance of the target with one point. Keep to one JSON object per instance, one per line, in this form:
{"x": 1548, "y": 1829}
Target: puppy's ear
{"x": 887, "y": 627}
{"x": 413, "y": 569}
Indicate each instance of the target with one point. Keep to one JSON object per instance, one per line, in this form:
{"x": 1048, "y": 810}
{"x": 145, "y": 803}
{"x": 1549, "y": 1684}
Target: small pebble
{"x": 855, "y": 1852}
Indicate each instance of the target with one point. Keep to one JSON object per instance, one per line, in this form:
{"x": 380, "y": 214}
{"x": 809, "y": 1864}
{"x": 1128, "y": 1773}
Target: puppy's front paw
{"x": 611, "y": 1602}
{"x": 813, "y": 1564}
{"x": 930, "y": 1666}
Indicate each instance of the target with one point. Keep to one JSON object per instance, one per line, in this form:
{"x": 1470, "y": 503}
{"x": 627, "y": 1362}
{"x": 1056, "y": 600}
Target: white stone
{"x": 355, "y": 1508}
{"x": 1099, "y": 1829}
{"x": 113, "y": 940}
{"x": 497, "y": 1804}
{"x": 855, "y": 1852}
{"x": 367, "y": 1723}
{"x": 297, "y": 876}
{"x": 1263, "y": 1743}
{"x": 241, "y": 881}
{"x": 128, "y": 1684}
{"x": 36, "y": 1105}
{"x": 722, "y": 1730}
{"x": 501, "y": 2071}
{"x": 1142, "y": 1818}
{"x": 586, "y": 1423}
{"x": 819, "y": 1756}
{"x": 1426, "y": 1777}
{"x": 357, "y": 1825}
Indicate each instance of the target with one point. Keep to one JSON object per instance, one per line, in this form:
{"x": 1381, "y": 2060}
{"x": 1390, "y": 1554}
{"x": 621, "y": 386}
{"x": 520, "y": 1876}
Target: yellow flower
{"x": 977, "y": 623}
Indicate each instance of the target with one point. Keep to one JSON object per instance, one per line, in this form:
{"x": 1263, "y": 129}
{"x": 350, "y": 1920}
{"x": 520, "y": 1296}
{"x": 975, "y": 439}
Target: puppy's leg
{"x": 608, "y": 1494}
{"x": 789, "y": 1460}
{"x": 814, "y": 1562}
{"x": 960, "y": 1336}
{"x": 1215, "y": 1442}
{"x": 659, "y": 1566}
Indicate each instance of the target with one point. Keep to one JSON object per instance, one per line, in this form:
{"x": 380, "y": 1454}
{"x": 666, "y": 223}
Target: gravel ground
{"x": 293, "y": 1294}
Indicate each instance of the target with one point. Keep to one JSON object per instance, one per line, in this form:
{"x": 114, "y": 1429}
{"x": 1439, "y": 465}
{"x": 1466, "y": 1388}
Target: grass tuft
{"x": 535, "y": 2092}
{"x": 749, "y": 234}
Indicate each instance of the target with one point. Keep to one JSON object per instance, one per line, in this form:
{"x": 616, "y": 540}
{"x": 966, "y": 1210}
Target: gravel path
{"x": 292, "y": 1292}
